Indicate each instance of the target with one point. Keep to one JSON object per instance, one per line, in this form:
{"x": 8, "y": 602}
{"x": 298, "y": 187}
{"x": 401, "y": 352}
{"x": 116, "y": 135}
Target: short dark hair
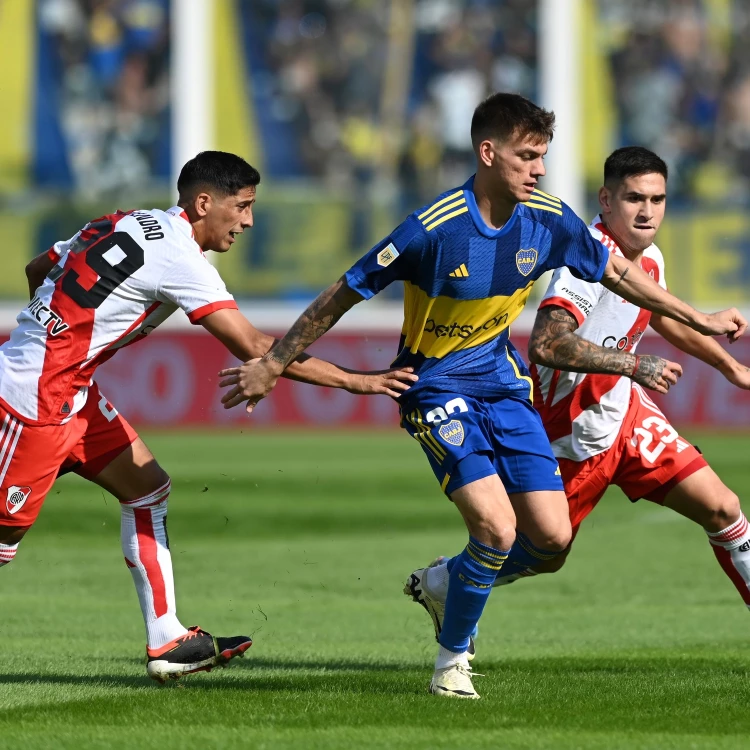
{"x": 502, "y": 115}
{"x": 632, "y": 161}
{"x": 219, "y": 171}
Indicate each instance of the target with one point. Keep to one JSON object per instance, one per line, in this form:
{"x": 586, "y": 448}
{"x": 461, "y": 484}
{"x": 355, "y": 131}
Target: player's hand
{"x": 655, "y": 373}
{"x": 391, "y": 382}
{"x": 251, "y": 382}
{"x": 729, "y": 321}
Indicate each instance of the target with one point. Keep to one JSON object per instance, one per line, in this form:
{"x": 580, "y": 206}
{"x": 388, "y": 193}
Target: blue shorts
{"x": 467, "y": 438}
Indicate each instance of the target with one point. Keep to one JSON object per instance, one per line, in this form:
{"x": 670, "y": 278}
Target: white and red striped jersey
{"x": 113, "y": 283}
{"x": 582, "y": 413}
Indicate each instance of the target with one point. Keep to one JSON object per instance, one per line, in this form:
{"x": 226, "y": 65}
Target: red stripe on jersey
{"x": 52, "y": 255}
{"x": 64, "y": 353}
{"x": 183, "y": 215}
{"x": 558, "y": 419}
{"x": 606, "y": 238}
{"x": 538, "y": 398}
{"x": 144, "y": 528}
{"x": 201, "y": 312}
{"x": 566, "y": 304}
{"x": 87, "y": 371}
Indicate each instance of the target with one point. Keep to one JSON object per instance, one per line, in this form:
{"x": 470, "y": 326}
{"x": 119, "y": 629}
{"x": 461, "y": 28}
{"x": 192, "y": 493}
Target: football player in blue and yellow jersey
{"x": 468, "y": 261}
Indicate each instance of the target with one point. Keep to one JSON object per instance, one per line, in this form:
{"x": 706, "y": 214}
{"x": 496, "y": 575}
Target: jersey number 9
{"x": 113, "y": 259}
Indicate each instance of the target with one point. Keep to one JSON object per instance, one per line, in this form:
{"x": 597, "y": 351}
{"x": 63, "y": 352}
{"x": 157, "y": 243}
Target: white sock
{"x": 732, "y": 549}
{"x": 143, "y": 534}
{"x": 446, "y": 658}
{"x": 436, "y": 579}
{"x": 7, "y": 553}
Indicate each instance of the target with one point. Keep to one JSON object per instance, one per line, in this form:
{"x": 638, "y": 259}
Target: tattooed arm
{"x": 554, "y": 343}
{"x": 255, "y": 379}
{"x": 319, "y": 317}
{"x": 704, "y": 348}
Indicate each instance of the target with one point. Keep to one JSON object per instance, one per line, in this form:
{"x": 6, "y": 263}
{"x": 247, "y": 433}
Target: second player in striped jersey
{"x": 605, "y": 430}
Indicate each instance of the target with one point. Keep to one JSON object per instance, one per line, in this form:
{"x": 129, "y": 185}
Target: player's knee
{"x": 12, "y": 534}
{"x": 555, "y": 564}
{"x": 725, "y": 510}
{"x": 162, "y": 477}
{"x": 158, "y": 497}
{"x": 552, "y": 539}
{"x": 499, "y": 533}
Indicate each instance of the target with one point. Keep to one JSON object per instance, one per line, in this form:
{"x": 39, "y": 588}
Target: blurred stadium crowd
{"x": 103, "y": 93}
{"x": 324, "y": 68}
{"x": 682, "y": 87}
{"x": 318, "y": 75}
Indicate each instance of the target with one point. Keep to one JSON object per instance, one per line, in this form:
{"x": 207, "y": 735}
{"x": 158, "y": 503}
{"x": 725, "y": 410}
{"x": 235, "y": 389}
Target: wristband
{"x": 635, "y": 365}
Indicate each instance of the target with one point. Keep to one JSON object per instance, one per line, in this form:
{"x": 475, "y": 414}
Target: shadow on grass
{"x": 286, "y": 674}
{"x": 237, "y": 677}
{"x": 676, "y": 694}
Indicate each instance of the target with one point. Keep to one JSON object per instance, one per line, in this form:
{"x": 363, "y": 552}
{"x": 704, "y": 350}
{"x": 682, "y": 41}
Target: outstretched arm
{"x": 320, "y": 316}
{"x": 704, "y": 348}
{"x": 246, "y": 342}
{"x": 554, "y": 343}
{"x": 255, "y": 379}
{"x": 633, "y": 284}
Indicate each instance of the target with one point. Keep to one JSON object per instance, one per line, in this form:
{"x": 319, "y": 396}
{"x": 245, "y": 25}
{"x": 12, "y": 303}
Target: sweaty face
{"x": 634, "y": 208}
{"x": 517, "y": 164}
{"x": 226, "y": 217}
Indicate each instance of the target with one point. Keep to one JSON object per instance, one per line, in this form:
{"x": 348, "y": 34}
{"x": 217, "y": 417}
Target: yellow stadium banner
{"x": 16, "y": 62}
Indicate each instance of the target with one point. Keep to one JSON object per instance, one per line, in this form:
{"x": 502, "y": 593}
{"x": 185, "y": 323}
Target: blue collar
{"x": 479, "y": 223}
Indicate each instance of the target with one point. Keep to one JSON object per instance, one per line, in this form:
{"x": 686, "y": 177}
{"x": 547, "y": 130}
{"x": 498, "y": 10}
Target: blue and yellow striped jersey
{"x": 465, "y": 283}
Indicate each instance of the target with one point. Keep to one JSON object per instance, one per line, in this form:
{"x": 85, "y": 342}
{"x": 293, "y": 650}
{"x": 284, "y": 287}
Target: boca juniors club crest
{"x": 452, "y": 432}
{"x": 526, "y": 260}
{"x": 17, "y": 496}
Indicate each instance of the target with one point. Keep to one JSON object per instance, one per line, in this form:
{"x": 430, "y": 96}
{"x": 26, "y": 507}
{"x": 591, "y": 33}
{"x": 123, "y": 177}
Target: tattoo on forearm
{"x": 622, "y": 276}
{"x": 554, "y": 343}
{"x": 649, "y": 371}
{"x": 319, "y": 317}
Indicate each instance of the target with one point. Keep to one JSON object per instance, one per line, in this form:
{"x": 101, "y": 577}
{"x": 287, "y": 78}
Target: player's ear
{"x": 486, "y": 152}
{"x": 605, "y": 199}
{"x": 202, "y": 203}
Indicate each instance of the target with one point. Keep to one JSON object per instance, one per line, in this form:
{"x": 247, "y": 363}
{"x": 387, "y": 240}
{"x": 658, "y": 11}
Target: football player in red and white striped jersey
{"x": 106, "y": 288}
{"x": 604, "y": 428}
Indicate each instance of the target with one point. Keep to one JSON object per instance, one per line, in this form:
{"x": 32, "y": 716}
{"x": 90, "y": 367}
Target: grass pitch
{"x": 304, "y": 541}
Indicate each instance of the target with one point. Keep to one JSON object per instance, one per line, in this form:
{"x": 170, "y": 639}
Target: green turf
{"x": 304, "y": 541}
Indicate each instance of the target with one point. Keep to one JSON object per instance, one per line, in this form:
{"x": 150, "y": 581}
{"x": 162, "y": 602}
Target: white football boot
{"x": 418, "y": 592}
{"x": 454, "y": 682}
